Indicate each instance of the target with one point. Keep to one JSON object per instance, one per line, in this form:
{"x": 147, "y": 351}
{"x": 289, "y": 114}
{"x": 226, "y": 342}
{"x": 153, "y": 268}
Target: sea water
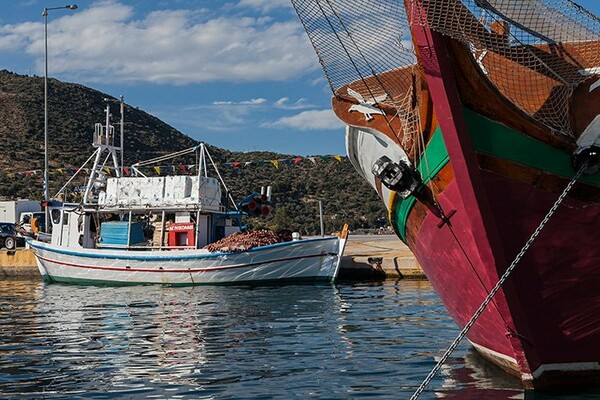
{"x": 341, "y": 341}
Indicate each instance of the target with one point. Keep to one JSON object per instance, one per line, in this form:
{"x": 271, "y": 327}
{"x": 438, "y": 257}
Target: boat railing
{"x": 102, "y": 136}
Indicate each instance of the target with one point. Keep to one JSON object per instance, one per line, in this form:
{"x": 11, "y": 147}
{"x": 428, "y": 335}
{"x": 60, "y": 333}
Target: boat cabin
{"x": 147, "y": 213}
{"x": 140, "y": 212}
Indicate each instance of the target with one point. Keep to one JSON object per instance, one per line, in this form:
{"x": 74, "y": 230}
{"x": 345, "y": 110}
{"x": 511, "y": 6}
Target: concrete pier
{"x": 18, "y": 263}
{"x": 367, "y": 257}
{"x": 378, "y": 257}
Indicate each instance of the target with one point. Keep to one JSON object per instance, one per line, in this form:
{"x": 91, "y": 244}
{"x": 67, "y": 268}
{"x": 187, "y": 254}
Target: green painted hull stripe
{"x": 494, "y": 139}
{"x": 434, "y": 159}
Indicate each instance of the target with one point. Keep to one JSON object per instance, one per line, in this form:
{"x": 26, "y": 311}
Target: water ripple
{"x": 329, "y": 342}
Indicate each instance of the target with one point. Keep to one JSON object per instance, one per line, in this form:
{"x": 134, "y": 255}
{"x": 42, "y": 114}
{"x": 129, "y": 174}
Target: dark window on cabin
{"x": 55, "y": 216}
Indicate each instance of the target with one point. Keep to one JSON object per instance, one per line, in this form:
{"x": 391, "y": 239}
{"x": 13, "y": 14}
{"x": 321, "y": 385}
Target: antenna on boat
{"x": 121, "y": 127}
{"x": 104, "y": 141}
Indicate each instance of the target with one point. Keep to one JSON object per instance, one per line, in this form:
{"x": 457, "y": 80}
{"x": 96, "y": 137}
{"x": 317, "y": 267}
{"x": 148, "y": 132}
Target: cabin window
{"x": 55, "y": 216}
{"x": 65, "y": 220}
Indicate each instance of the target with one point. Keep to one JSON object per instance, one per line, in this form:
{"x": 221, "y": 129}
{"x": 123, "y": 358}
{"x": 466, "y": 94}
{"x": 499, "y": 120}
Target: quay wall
{"x": 18, "y": 263}
{"x": 378, "y": 257}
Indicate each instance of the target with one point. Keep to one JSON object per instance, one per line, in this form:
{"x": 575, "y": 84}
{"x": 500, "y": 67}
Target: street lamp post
{"x": 45, "y": 15}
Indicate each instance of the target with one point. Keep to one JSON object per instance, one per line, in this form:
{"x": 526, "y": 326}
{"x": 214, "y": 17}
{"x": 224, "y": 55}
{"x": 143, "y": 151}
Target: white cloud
{"x": 309, "y": 120}
{"x": 251, "y": 102}
{"x": 218, "y": 116}
{"x": 16, "y": 37}
{"x": 107, "y": 42}
{"x": 299, "y": 104}
{"x": 319, "y": 81}
{"x": 265, "y": 5}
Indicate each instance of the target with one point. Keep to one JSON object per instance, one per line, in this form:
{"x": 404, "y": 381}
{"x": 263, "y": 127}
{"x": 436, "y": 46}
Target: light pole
{"x": 45, "y": 15}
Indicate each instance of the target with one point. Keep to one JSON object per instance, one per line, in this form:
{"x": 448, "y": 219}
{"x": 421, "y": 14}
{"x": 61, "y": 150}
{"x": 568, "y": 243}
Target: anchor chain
{"x": 493, "y": 292}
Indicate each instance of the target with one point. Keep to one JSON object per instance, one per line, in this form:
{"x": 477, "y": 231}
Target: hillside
{"x": 73, "y": 110}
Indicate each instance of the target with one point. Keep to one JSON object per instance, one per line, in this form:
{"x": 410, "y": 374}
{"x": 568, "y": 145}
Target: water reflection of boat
{"x": 472, "y": 377}
{"x": 199, "y": 339}
{"x": 470, "y": 118}
{"x": 118, "y": 235}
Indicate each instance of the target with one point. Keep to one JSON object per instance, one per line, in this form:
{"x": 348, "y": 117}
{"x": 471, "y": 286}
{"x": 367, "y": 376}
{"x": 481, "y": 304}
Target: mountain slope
{"x": 73, "y": 111}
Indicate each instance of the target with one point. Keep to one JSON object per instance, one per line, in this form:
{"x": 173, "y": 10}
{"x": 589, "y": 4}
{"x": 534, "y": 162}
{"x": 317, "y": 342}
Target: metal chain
{"x": 489, "y": 297}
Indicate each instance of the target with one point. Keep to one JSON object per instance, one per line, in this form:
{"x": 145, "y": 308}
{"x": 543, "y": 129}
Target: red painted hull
{"x": 552, "y": 299}
{"x": 510, "y": 123}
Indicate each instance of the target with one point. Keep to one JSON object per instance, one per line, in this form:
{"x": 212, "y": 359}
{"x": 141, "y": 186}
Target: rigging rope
{"x": 351, "y": 59}
{"x": 493, "y": 292}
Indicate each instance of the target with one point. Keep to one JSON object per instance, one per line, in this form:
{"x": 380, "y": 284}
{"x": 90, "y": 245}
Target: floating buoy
{"x": 252, "y": 205}
{"x": 257, "y": 205}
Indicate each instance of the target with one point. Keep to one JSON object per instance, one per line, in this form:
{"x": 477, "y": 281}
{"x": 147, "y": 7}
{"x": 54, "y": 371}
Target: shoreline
{"x": 367, "y": 257}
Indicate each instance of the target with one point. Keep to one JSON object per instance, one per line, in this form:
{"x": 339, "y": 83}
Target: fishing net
{"x": 357, "y": 42}
{"x": 244, "y": 241}
{"x": 534, "y": 52}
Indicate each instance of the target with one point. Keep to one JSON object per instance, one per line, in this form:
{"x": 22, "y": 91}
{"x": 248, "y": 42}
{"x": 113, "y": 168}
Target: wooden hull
{"x": 310, "y": 260}
{"x": 489, "y": 119}
{"x": 544, "y": 325}
{"x": 549, "y": 306}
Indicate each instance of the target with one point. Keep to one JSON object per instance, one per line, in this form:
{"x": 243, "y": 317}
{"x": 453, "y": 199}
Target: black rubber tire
{"x": 10, "y": 243}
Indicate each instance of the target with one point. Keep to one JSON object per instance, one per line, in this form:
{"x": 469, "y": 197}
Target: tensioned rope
{"x": 493, "y": 292}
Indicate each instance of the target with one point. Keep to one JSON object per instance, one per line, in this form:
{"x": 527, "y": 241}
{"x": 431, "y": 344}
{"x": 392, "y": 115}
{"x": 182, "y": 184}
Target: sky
{"x": 237, "y": 74}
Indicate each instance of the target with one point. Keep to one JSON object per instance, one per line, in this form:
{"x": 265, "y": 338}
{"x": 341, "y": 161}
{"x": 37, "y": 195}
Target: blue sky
{"x": 237, "y": 74}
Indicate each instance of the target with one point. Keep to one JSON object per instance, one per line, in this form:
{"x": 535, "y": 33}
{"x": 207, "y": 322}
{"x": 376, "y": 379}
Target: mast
{"x": 106, "y": 148}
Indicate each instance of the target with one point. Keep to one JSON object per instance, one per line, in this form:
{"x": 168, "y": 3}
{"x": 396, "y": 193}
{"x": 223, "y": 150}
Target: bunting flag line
{"x": 165, "y": 169}
{"x": 279, "y": 163}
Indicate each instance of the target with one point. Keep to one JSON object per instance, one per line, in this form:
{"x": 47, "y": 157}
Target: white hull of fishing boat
{"x": 316, "y": 259}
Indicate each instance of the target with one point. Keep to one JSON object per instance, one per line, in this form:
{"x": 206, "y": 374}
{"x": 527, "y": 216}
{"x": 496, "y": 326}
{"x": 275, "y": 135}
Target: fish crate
{"x": 121, "y": 233}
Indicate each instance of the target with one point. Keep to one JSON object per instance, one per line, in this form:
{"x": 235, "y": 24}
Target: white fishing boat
{"x": 170, "y": 230}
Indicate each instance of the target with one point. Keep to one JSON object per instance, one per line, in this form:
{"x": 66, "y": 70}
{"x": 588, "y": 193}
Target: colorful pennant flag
{"x": 188, "y": 169}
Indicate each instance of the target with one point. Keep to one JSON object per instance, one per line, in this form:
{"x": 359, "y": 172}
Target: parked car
{"x": 9, "y": 237}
